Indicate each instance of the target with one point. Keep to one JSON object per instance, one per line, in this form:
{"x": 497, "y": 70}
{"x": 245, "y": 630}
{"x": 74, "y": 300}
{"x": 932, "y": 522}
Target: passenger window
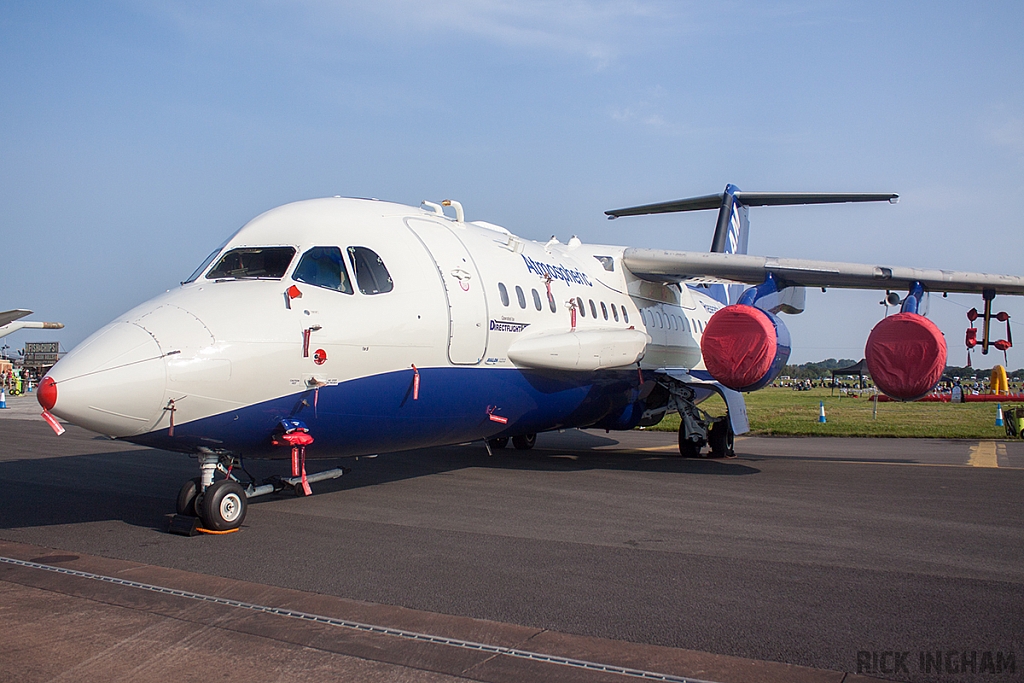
{"x": 580, "y": 307}
{"x": 520, "y": 296}
{"x": 551, "y": 302}
{"x": 604, "y": 310}
{"x": 323, "y": 267}
{"x": 661, "y": 321}
{"x": 372, "y": 276}
{"x": 536, "y": 300}
{"x": 643, "y": 317}
{"x": 615, "y": 313}
{"x": 253, "y": 263}
{"x": 503, "y": 293}
{"x": 593, "y": 309}
{"x": 625, "y": 316}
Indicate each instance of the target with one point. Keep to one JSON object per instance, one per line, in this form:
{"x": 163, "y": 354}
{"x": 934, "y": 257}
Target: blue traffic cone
{"x": 821, "y": 411}
{"x": 3, "y": 399}
{"x": 999, "y": 415}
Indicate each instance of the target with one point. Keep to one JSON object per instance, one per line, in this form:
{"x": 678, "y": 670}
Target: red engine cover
{"x": 739, "y": 345}
{"x": 906, "y": 354}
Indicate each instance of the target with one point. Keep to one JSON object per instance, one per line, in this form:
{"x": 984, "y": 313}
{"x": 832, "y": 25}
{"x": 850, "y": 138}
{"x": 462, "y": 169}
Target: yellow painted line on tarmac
{"x": 671, "y": 447}
{"x": 984, "y": 455}
{"x": 756, "y": 458}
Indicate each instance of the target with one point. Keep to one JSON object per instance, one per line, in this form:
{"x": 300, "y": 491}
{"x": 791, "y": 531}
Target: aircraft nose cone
{"x": 112, "y": 383}
{"x": 46, "y": 394}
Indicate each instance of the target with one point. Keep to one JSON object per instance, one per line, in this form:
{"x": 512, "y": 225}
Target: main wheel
{"x": 187, "y": 496}
{"x": 499, "y": 443}
{"x": 524, "y": 442}
{"x": 722, "y": 439}
{"x": 223, "y": 506}
{"x": 689, "y": 448}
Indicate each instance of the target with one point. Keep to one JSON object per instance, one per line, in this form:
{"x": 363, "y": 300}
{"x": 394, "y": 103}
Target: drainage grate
{"x": 369, "y": 628}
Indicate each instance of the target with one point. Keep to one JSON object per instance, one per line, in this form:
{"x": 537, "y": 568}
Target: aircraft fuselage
{"x": 420, "y": 360}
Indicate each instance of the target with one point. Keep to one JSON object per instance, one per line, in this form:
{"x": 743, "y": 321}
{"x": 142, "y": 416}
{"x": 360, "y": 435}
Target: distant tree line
{"x": 820, "y": 370}
{"x": 823, "y": 370}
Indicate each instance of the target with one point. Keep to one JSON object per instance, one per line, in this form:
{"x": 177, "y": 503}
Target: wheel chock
{"x": 183, "y": 525}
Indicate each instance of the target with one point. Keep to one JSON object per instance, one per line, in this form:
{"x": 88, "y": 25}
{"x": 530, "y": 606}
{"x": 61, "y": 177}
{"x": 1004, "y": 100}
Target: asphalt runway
{"x": 804, "y": 551}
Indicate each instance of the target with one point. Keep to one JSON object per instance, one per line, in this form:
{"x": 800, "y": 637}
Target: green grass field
{"x": 795, "y": 413}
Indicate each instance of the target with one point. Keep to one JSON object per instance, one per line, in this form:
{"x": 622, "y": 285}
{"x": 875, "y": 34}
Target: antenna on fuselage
{"x": 436, "y": 208}
{"x": 460, "y": 215}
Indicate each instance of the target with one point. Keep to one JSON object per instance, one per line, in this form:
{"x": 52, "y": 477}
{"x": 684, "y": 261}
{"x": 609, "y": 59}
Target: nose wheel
{"x": 223, "y": 506}
{"x": 188, "y": 496}
{"x": 219, "y": 505}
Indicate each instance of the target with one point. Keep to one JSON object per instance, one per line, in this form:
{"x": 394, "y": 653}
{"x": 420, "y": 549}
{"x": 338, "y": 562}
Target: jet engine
{"x": 906, "y": 355}
{"x": 744, "y": 347}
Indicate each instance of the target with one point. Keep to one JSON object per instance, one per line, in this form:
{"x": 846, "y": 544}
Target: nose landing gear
{"x": 220, "y": 506}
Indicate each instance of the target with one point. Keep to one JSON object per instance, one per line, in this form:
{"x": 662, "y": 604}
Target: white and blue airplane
{"x": 362, "y": 326}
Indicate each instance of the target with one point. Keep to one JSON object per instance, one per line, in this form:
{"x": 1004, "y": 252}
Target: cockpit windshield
{"x": 253, "y": 263}
{"x": 206, "y": 264}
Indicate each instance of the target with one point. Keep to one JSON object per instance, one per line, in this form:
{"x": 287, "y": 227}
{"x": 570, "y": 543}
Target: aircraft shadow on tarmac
{"x": 138, "y": 487}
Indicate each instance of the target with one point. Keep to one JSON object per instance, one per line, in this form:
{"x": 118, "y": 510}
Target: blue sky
{"x": 135, "y": 136}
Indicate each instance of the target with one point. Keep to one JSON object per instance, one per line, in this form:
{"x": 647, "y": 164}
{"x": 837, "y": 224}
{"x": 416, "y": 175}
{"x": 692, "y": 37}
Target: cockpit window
{"x": 206, "y": 264}
{"x": 323, "y": 267}
{"x": 372, "y": 276}
{"x": 253, "y": 263}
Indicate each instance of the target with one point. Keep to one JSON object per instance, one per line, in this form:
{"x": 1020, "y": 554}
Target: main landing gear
{"x": 719, "y": 437}
{"x": 220, "y": 506}
{"x": 697, "y": 428}
{"x": 523, "y": 442}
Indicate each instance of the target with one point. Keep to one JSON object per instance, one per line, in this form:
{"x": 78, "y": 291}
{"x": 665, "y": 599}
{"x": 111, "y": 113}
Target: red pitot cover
{"x": 906, "y": 354}
{"x": 739, "y": 345}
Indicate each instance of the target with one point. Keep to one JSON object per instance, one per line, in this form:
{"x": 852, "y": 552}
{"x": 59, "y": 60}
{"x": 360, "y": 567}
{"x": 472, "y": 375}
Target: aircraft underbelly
{"x": 379, "y": 413}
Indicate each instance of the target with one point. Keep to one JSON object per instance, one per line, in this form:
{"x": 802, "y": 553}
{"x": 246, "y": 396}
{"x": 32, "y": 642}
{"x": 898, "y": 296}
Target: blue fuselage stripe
{"x": 379, "y": 414}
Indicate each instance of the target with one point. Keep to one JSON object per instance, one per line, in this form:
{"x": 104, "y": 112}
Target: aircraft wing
{"x": 677, "y": 266}
{"x": 11, "y": 316}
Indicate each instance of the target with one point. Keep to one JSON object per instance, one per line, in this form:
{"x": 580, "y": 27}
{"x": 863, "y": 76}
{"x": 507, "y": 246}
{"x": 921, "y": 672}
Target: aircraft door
{"x": 467, "y": 306}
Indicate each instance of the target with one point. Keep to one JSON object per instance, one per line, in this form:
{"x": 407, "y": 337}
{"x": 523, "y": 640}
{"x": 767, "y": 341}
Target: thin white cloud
{"x": 596, "y": 29}
{"x": 657, "y": 112}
